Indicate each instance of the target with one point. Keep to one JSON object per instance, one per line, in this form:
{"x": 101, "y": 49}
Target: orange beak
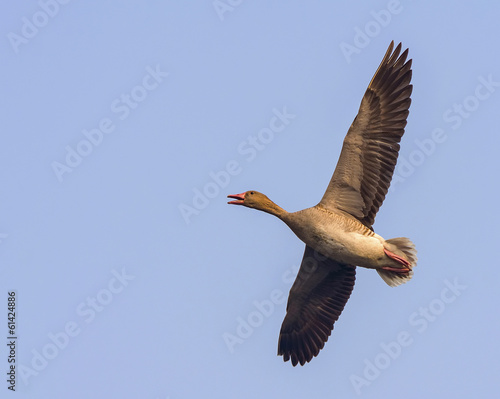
{"x": 240, "y": 198}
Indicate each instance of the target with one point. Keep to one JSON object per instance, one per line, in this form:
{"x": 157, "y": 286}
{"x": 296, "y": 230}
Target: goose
{"x": 338, "y": 231}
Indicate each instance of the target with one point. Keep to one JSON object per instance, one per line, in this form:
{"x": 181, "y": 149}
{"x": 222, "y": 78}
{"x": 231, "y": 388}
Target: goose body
{"x": 338, "y": 231}
{"x": 339, "y": 237}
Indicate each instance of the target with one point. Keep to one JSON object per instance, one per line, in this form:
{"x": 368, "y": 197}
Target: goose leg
{"x": 399, "y": 259}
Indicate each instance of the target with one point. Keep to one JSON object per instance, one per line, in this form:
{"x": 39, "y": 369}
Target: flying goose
{"x": 338, "y": 231}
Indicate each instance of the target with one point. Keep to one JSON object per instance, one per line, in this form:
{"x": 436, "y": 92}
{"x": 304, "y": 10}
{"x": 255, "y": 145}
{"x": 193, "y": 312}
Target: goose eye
{"x": 251, "y": 192}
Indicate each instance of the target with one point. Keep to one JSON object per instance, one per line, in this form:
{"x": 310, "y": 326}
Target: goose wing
{"x": 370, "y": 151}
{"x": 316, "y": 300}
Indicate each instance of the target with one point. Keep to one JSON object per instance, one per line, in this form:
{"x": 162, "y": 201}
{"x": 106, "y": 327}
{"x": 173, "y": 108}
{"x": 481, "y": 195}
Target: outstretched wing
{"x": 316, "y": 300}
{"x": 370, "y": 150}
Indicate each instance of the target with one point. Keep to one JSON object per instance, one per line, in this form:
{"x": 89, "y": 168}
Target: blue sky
{"x": 125, "y": 125}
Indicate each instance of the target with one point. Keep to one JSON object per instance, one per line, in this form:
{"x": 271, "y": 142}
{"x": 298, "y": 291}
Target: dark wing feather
{"x": 370, "y": 150}
{"x": 316, "y": 300}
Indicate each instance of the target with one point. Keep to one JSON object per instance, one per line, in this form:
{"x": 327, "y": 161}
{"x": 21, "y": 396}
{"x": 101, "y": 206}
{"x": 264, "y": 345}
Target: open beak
{"x": 240, "y": 198}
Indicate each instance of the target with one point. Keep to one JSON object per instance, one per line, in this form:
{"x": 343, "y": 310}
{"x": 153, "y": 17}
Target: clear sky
{"x": 124, "y": 126}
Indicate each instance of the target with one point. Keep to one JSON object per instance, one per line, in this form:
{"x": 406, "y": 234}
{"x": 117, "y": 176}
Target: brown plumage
{"x": 370, "y": 150}
{"x": 338, "y": 231}
{"x": 309, "y": 318}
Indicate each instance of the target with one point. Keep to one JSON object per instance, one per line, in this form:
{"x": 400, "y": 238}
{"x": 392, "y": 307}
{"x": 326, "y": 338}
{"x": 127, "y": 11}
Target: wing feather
{"x": 316, "y": 300}
{"x": 371, "y": 147}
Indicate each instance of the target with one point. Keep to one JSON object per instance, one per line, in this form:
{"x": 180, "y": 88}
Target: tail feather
{"x": 404, "y": 247}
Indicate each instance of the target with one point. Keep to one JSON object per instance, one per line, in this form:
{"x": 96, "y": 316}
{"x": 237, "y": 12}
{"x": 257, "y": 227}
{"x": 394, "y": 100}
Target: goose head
{"x": 254, "y": 199}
